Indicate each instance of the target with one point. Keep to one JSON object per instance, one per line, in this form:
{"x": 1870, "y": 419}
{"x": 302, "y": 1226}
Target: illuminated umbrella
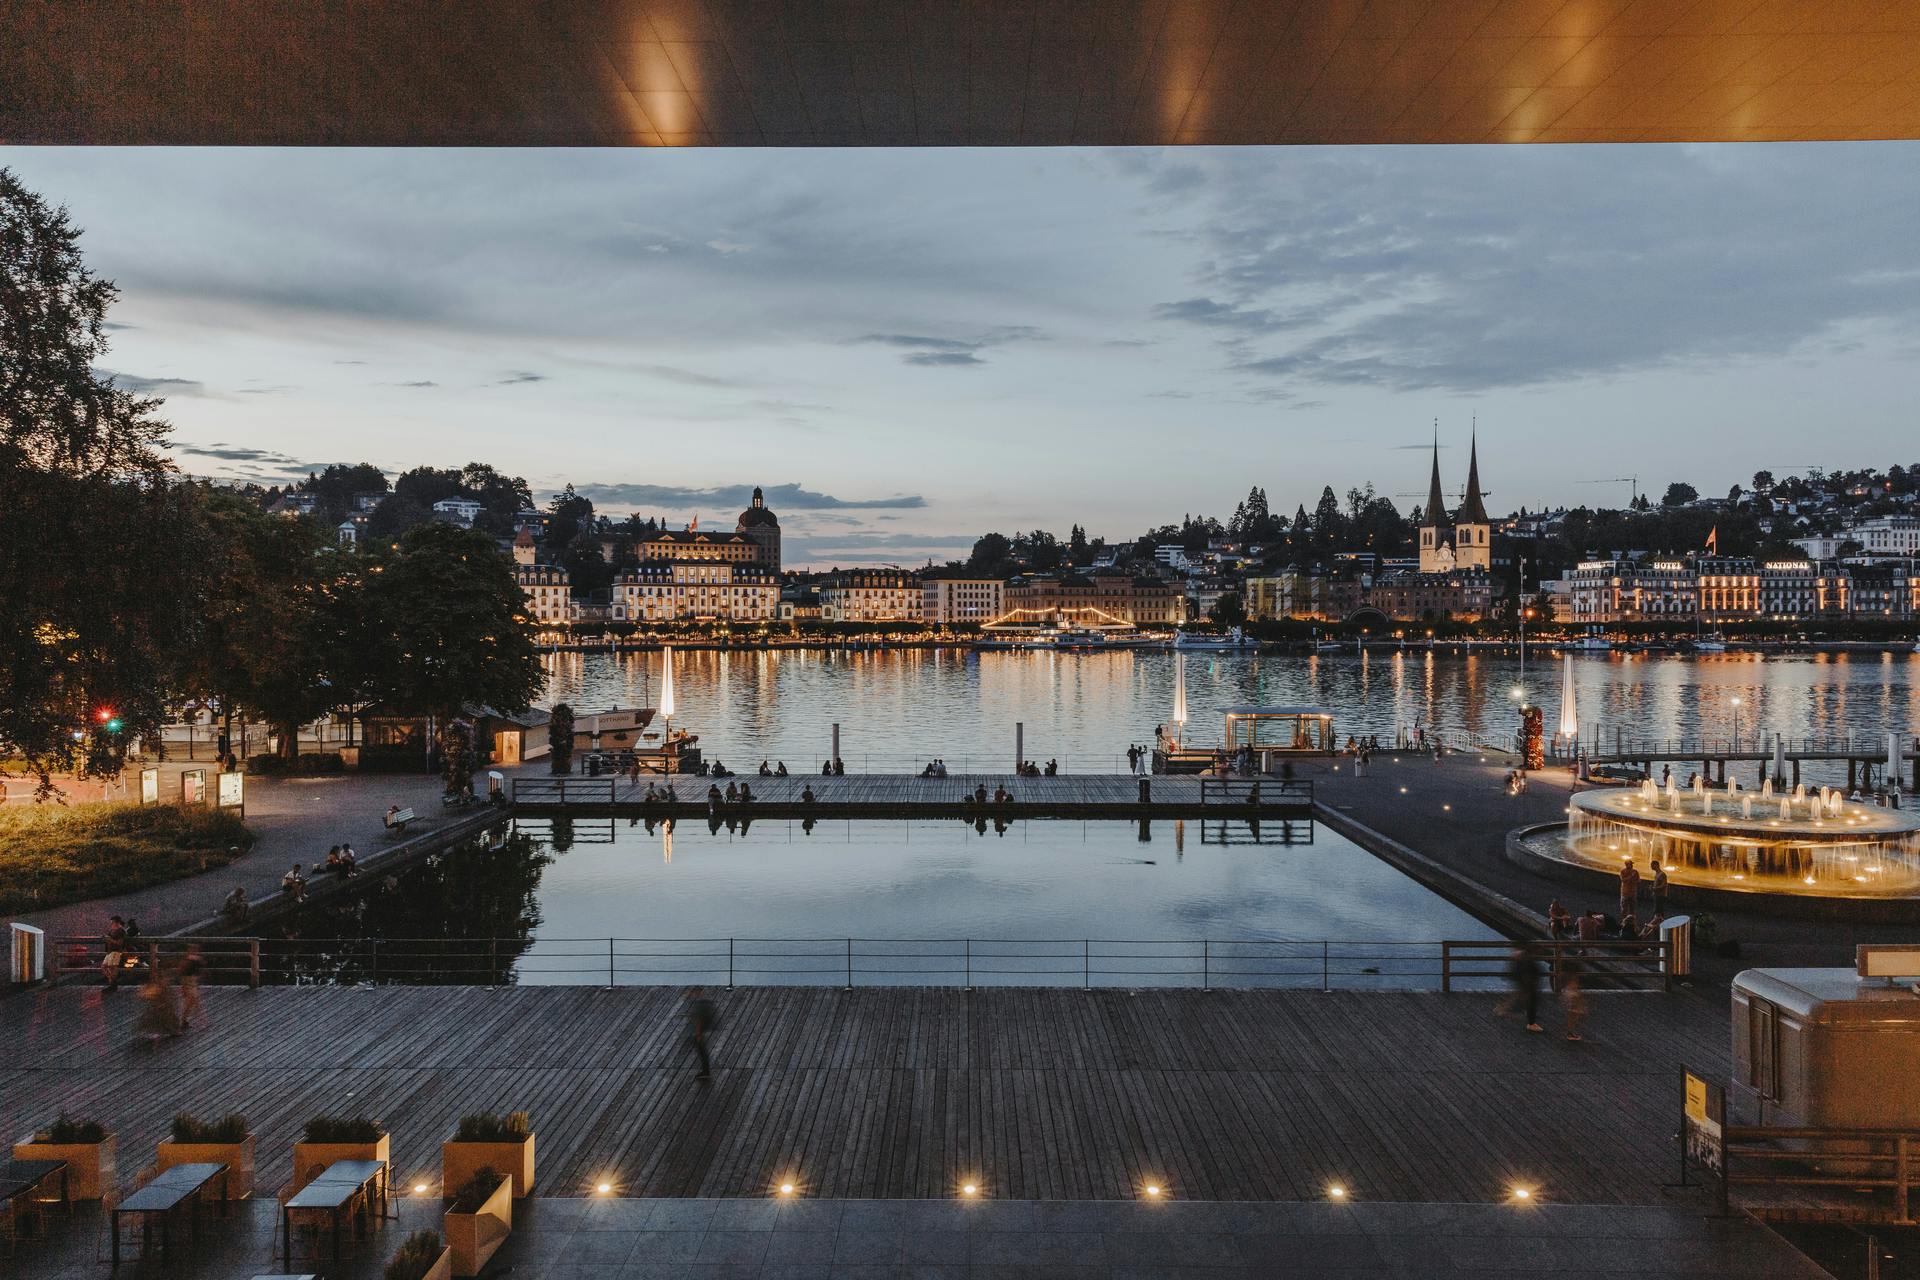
{"x": 1569, "y": 711}
{"x": 1179, "y": 697}
{"x": 666, "y": 689}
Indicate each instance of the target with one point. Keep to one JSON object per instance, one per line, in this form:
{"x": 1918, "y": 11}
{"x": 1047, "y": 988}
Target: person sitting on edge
{"x": 233, "y": 909}
{"x": 294, "y": 883}
{"x": 806, "y": 794}
{"x": 713, "y": 795}
{"x": 980, "y": 794}
{"x": 826, "y": 770}
{"x": 1559, "y": 919}
{"x": 733, "y": 794}
{"x": 333, "y": 858}
{"x": 1589, "y": 926}
{"x": 839, "y": 768}
{"x": 766, "y": 771}
{"x": 746, "y": 794}
{"x": 349, "y": 861}
{"x": 780, "y": 769}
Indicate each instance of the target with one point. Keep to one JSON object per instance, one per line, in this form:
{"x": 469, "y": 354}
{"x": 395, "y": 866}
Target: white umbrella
{"x": 666, "y": 689}
{"x": 1569, "y": 711}
{"x": 1179, "y": 696}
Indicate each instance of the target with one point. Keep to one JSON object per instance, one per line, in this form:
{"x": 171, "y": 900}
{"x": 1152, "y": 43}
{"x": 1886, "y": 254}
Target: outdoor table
{"x": 22, "y": 1180}
{"x": 170, "y": 1189}
{"x": 338, "y": 1188}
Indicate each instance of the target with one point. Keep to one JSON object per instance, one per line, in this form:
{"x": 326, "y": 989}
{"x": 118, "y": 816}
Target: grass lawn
{"x": 53, "y": 854}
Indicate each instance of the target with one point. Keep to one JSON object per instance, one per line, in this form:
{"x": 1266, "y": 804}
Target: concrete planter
{"x": 237, "y": 1156}
{"x": 459, "y": 1161}
{"x": 311, "y": 1158}
{"x": 473, "y": 1237}
{"x": 90, "y": 1165}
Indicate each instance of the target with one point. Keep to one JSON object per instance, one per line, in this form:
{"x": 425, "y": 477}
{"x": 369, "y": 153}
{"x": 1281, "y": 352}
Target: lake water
{"x": 898, "y": 708}
{"x": 1034, "y": 902}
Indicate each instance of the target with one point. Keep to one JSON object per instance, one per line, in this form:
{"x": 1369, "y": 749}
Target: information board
{"x": 149, "y": 786}
{"x": 193, "y": 786}
{"x": 1704, "y": 1124}
{"x": 230, "y": 791}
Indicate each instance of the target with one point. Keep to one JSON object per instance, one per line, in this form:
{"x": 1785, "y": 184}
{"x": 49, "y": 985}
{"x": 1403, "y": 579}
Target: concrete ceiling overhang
{"x": 848, "y": 73}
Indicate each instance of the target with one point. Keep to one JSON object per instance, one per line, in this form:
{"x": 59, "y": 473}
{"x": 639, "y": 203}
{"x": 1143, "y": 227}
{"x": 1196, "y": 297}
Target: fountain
{"x": 1806, "y": 845}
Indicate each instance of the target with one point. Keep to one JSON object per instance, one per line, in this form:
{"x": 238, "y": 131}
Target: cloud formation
{"x": 780, "y": 497}
{"x": 945, "y": 353}
{"x": 154, "y": 386}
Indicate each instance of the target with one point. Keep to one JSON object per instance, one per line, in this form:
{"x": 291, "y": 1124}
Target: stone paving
{"x": 1458, "y": 813}
{"x": 295, "y": 820}
{"x": 583, "y": 1239}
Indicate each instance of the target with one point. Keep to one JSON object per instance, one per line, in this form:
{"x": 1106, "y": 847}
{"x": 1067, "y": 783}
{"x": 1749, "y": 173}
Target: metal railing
{"x": 225, "y": 961}
{"x": 1777, "y": 1156}
{"x": 1228, "y": 792}
{"x": 562, "y": 789}
{"x": 1615, "y": 964}
{"x": 1756, "y": 746}
{"x": 1195, "y": 963}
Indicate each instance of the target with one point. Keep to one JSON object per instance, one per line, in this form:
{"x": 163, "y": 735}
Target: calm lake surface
{"x": 898, "y": 708}
{"x": 785, "y": 897}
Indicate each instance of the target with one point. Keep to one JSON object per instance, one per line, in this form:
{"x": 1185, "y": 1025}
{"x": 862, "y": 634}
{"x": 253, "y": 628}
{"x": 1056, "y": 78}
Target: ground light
{"x": 970, "y": 1190}
{"x": 1336, "y": 1192}
{"x": 1522, "y": 1194}
{"x": 419, "y": 1188}
{"x": 1153, "y": 1190}
{"x": 605, "y": 1188}
{"x": 787, "y": 1188}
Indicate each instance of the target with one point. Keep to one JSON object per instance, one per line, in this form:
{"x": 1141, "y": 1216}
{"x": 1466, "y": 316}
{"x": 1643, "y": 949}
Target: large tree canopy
{"x": 102, "y": 551}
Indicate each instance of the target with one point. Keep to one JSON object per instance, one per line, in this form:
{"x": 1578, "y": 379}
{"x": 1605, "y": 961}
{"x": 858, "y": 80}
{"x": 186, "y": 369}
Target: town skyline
{"x": 880, "y": 335}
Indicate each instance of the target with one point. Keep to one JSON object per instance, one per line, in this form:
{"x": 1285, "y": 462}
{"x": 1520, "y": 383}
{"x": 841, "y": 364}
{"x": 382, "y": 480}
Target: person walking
{"x": 1523, "y": 971}
{"x": 702, "y": 1018}
{"x": 1573, "y": 1001}
{"x": 192, "y": 966}
{"x": 1659, "y": 890}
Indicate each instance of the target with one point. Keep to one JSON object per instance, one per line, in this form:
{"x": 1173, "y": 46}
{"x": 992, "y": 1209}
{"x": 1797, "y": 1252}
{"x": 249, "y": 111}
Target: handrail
{"x": 1894, "y": 1168}
{"x": 1611, "y": 960}
{"x": 849, "y": 961}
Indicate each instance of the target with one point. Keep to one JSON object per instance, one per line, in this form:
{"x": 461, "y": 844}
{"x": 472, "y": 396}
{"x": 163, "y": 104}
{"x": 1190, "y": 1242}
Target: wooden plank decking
{"x": 903, "y": 1092}
{"x": 904, "y": 795}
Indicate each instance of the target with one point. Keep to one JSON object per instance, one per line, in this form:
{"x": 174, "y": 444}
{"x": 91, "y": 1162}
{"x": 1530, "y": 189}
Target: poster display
{"x": 193, "y": 787}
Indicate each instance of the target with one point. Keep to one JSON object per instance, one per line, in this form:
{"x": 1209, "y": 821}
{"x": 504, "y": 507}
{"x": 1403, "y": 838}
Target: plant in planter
{"x": 330, "y": 1138}
{"x": 85, "y": 1145}
{"x": 421, "y": 1257}
{"x": 489, "y": 1141}
{"x": 478, "y": 1220}
{"x": 224, "y": 1141}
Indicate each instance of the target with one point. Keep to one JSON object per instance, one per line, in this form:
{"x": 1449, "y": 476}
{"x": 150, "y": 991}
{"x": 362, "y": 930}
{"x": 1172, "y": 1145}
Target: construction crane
{"x": 1632, "y": 483}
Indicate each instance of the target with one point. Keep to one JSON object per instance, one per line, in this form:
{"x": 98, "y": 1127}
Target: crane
{"x": 1632, "y": 483}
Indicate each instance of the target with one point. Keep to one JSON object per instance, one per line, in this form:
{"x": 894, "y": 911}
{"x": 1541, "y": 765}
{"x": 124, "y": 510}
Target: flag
{"x": 694, "y": 525}
{"x": 1713, "y": 541}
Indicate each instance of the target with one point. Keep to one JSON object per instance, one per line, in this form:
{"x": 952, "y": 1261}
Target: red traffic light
{"x": 103, "y": 715}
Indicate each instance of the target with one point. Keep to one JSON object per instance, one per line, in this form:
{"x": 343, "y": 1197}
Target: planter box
{"x": 459, "y": 1161}
{"x": 442, "y": 1269}
{"x": 310, "y": 1158}
{"x": 473, "y": 1237}
{"x": 237, "y": 1156}
{"x": 89, "y": 1164}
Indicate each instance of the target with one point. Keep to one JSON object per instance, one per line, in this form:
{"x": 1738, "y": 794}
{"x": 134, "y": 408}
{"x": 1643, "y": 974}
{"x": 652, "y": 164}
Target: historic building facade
{"x": 872, "y": 595}
{"x": 690, "y": 591}
{"x": 944, "y": 600}
{"x": 1463, "y": 540}
{"x": 1093, "y": 599}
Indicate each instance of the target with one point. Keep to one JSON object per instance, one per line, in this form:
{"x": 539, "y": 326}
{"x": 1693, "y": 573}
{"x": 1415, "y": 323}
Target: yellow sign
{"x": 1696, "y": 1099}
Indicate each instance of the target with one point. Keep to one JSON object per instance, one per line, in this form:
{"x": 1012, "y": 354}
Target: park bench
{"x": 398, "y": 820}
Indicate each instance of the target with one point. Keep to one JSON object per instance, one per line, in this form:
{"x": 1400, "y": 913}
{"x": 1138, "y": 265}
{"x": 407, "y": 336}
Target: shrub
{"x": 419, "y": 1252}
{"x": 488, "y": 1127}
{"x": 69, "y": 853}
{"x": 474, "y": 1192}
{"x": 191, "y": 1128}
{"x": 342, "y": 1129}
{"x": 69, "y": 1130}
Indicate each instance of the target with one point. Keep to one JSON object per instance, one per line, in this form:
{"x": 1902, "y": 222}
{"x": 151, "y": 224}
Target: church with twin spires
{"x": 1463, "y": 540}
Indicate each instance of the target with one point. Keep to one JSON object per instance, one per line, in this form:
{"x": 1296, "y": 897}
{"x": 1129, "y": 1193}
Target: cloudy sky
{"x": 910, "y": 347}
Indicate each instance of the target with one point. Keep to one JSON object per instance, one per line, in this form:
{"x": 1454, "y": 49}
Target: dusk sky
{"x": 908, "y": 348}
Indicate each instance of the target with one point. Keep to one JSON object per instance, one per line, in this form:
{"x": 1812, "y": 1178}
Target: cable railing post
{"x": 1900, "y": 1177}
{"x": 493, "y": 962}
{"x": 1206, "y": 965}
{"x": 609, "y": 964}
{"x": 373, "y": 962}
{"x": 729, "y": 964}
{"x": 1326, "y": 969}
{"x": 849, "y": 964}
{"x": 1086, "y": 964}
{"x": 1446, "y": 968}
{"x": 253, "y": 963}
{"x": 969, "y": 964}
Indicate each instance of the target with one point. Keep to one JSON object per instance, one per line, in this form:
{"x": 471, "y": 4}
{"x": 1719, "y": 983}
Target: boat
{"x": 1714, "y": 643}
{"x": 1591, "y": 642}
{"x": 1202, "y": 641}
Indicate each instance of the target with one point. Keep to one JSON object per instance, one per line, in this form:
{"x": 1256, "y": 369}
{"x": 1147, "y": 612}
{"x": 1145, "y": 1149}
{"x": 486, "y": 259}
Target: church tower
{"x": 1472, "y": 531}
{"x": 1436, "y": 530}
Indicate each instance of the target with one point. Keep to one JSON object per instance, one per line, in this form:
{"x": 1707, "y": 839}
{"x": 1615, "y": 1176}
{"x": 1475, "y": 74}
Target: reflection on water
{"x": 597, "y": 899}
{"x": 897, "y": 708}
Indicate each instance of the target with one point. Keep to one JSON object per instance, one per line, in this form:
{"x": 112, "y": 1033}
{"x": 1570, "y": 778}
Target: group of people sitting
{"x": 741, "y": 794}
{"x": 834, "y": 768}
{"x": 1356, "y": 745}
{"x": 341, "y": 861}
{"x": 936, "y": 768}
{"x": 120, "y": 941}
{"x": 1597, "y": 926}
{"x": 979, "y": 795}
{"x": 778, "y": 771}
{"x": 1031, "y": 770}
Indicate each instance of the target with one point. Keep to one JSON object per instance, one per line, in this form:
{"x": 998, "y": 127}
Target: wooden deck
{"x": 908, "y": 795}
{"x": 904, "y": 1092}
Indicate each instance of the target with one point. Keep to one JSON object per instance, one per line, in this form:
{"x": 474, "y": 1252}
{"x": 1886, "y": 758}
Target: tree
{"x": 1229, "y": 610}
{"x": 457, "y": 756}
{"x": 569, "y": 515}
{"x": 448, "y": 626}
{"x": 1077, "y": 552}
{"x": 102, "y": 551}
{"x": 1679, "y": 494}
{"x": 1762, "y": 481}
{"x": 560, "y": 738}
{"x": 990, "y": 554}
{"x": 335, "y": 488}
{"x": 425, "y": 486}
{"x": 395, "y": 515}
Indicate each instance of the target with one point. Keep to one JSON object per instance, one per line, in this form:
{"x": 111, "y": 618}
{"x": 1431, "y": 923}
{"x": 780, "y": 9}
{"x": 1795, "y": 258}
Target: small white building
{"x": 460, "y": 511}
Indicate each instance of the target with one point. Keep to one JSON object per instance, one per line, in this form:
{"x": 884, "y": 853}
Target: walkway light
{"x": 786, "y": 1188}
{"x": 1336, "y": 1192}
{"x": 605, "y": 1188}
{"x": 969, "y": 1190}
{"x": 1522, "y": 1194}
{"x": 1153, "y": 1189}
{"x": 419, "y": 1188}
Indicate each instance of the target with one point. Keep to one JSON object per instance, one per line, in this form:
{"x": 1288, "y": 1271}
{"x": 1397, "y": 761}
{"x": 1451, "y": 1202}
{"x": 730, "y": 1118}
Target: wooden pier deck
{"x": 909, "y": 795}
{"x": 905, "y": 1092}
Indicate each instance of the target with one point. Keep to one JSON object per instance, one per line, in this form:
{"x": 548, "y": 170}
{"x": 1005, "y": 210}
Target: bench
{"x": 398, "y": 820}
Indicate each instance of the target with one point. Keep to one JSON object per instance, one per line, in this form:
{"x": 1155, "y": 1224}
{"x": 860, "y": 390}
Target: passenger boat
{"x": 1199, "y": 641}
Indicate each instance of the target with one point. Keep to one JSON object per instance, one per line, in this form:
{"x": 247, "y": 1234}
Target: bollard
{"x": 1146, "y": 791}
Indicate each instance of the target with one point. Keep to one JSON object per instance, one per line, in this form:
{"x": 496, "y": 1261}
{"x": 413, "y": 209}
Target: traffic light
{"x": 109, "y": 721}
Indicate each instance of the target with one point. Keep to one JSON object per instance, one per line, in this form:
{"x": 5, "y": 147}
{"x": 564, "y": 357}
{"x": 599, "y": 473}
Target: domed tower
{"x": 761, "y": 525}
